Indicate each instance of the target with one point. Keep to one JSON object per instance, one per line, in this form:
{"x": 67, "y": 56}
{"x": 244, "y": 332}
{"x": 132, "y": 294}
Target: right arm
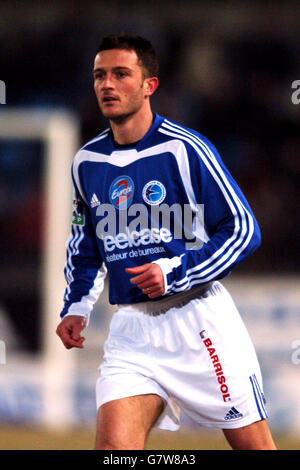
{"x": 84, "y": 272}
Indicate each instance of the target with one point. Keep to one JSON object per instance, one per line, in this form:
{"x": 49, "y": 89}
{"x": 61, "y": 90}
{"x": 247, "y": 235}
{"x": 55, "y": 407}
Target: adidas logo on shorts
{"x": 233, "y": 413}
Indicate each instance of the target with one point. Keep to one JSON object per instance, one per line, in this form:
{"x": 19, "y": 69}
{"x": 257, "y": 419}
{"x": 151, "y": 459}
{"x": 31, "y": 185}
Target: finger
{"x": 76, "y": 330}
{"x": 63, "y": 332}
{"x": 147, "y": 290}
{"x": 138, "y": 269}
{"x": 155, "y": 293}
{"x": 70, "y": 343}
{"x": 75, "y": 338}
{"x": 66, "y": 336}
{"x": 151, "y": 281}
{"x": 146, "y": 277}
{"x": 153, "y": 290}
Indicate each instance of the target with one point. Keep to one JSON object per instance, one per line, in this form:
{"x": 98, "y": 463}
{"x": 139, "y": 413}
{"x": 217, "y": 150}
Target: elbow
{"x": 255, "y": 239}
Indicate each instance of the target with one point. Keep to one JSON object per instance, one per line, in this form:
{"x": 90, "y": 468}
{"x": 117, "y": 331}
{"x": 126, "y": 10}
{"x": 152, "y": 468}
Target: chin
{"x": 118, "y": 118}
{"x": 110, "y": 114}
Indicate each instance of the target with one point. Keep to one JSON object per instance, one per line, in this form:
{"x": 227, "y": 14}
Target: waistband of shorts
{"x": 176, "y": 300}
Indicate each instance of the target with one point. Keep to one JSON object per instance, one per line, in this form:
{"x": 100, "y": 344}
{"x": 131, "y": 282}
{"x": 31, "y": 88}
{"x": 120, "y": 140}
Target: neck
{"x": 132, "y": 128}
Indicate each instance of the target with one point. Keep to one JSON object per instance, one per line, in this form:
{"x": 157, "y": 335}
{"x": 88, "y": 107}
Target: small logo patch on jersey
{"x": 77, "y": 215}
{"x": 94, "y": 201}
{"x": 77, "y": 219}
{"x": 121, "y": 192}
{"x": 154, "y": 193}
{"x": 233, "y": 413}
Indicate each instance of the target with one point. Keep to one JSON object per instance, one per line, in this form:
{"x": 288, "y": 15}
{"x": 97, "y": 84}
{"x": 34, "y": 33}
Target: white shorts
{"x": 192, "y": 350}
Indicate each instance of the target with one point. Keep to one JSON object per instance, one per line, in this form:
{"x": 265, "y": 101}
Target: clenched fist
{"x": 69, "y": 330}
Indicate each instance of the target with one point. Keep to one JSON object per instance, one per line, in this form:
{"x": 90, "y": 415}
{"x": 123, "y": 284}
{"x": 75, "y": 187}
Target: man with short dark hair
{"x": 176, "y": 340}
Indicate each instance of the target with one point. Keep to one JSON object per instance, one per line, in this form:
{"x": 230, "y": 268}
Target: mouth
{"x": 109, "y": 99}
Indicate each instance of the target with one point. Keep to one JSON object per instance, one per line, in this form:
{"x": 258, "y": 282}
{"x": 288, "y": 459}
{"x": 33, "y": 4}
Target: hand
{"x": 69, "y": 330}
{"x": 150, "y": 279}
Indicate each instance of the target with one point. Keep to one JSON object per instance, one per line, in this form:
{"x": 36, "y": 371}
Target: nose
{"x": 107, "y": 81}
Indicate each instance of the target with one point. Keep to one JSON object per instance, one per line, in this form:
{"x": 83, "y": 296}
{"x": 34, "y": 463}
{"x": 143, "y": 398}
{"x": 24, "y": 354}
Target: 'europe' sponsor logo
{"x": 121, "y": 192}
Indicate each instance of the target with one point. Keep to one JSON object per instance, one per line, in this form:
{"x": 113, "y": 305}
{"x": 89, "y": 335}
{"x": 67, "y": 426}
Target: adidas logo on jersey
{"x": 233, "y": 413}
{"x": 94, "y": 201}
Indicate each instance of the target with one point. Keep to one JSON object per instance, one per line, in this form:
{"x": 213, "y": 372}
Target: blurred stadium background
{"x": 226, "y": 70}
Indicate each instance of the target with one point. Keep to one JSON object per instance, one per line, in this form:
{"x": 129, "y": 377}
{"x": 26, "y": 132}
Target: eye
{"x": 121, "y": 74}
{"x": 99, "y": 76}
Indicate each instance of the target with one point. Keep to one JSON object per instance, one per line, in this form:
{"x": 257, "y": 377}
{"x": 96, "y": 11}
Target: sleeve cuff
{"x": 165, "y": 266}
{"x": 74, "y": 310}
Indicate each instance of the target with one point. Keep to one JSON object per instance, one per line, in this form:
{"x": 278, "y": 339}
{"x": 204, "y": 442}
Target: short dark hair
{"x": 142, "y": 47}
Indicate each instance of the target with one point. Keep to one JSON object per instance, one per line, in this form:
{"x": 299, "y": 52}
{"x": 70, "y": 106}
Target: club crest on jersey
{"x": 154, "y": 193}
{"x": 121, "y": 192}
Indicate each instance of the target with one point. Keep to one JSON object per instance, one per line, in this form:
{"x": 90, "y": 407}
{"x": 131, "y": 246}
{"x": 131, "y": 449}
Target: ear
{"x": 150, "y": 85}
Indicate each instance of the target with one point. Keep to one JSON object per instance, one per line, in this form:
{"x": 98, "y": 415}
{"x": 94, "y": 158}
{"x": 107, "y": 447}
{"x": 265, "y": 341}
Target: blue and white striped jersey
{"x": 121, "y": 197}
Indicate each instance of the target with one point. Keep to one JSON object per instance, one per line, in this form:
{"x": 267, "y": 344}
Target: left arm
{"x": 231, "y": 228}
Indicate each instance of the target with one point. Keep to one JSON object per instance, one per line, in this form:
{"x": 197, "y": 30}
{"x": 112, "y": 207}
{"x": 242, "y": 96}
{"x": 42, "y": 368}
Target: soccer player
{"x": 176, "y": 340}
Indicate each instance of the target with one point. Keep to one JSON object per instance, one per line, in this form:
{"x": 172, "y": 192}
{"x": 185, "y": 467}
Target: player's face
{"x": 119, "y": 84}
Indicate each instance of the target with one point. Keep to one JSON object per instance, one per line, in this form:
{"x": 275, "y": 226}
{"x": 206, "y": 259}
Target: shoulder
{"x": 96, "y": 142}
{"x": 96, "y": 149}
{"x": 194, "y": 141}
{"x": 98, "y": 145}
